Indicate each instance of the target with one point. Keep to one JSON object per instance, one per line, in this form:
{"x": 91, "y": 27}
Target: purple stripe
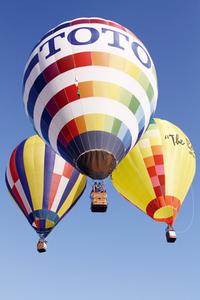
{"x": 49, "y": 161}
{"x": 93, "y": 140}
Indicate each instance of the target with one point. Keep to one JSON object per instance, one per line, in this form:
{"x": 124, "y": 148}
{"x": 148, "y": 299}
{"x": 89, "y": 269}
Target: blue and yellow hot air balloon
{"x": 157, "y": 173}
{"x": 90, "y": 89}
{"x": 43, "y": 185}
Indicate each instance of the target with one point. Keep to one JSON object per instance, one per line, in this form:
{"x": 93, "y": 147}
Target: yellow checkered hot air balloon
{"x": 156, "y": 174}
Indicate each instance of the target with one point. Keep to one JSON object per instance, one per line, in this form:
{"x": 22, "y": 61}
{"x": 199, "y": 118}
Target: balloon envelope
{"x": 90, "y": 88}
{"x": 42, "y": 184}
{"x": 157, "y": 173}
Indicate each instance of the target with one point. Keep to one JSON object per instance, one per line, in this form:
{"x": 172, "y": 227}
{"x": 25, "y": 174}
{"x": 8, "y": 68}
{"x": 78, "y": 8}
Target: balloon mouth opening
{"x": 97, "y": 164}
{"x": 165, "y": 214}
{"x": 164, "y": 209}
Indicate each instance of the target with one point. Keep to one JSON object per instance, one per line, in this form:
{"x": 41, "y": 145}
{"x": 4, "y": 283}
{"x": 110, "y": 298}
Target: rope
{"x": 187, "y": 228}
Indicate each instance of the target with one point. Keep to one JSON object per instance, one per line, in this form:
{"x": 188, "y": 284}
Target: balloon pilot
{"x": 76, "y": 84}
{"x": 170, "y": 234}
{"x": 98, "y": 197}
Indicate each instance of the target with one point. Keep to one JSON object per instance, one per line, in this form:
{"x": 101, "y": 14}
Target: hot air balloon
{"x": 156, "y": 174}
{"x": 43, "y": 185}
{"x": 90, "y": 88}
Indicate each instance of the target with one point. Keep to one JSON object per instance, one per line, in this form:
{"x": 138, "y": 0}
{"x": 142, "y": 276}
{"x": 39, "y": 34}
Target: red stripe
{"x": 67, "y": 63}
{"x": 82, "y": 59}
{"x": 63, "y": 65}
{"x": 68, "y": 132}
{"x": 13, "y": 167}
{"x": 51, "y": 72}
{"x": 18, "y": 200}
{"x": 68, "y": 94}
{"x": 37, "y": 223}
{"x": 99, "y": 21}
{"x": 61, "y": 99}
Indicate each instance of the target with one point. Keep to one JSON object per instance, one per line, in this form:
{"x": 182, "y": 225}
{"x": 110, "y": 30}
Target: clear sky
{"x": 120, "y": 255}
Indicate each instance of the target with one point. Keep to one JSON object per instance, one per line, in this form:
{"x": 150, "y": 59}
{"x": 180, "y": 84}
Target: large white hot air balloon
{"x": 90, "y": 89}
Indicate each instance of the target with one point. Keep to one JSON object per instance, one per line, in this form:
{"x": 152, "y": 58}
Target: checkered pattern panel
{"x": 151, "y": 149}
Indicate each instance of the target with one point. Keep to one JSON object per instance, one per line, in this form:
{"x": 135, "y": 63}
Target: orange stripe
{"x": 54, "y": 187}
{"x": 68, "y": 169}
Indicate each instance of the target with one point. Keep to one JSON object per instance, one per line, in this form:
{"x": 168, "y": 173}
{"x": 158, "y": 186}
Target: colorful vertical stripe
{"x": 42, "y": 184}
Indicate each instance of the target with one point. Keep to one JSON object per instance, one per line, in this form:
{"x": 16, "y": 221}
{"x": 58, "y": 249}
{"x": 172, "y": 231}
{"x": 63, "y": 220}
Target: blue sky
{"x": 121, "y": 254}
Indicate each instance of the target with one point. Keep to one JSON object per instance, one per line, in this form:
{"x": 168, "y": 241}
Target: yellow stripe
{"x": 34, "y": 151}
{"x": 179, "y": 162}
{"x": 94, "y": 122}
{"x": 74, "y": 194}
{"x": 132, "y": 180}
{"x": 122, "y": 64}
{"x": 49, "y": 224}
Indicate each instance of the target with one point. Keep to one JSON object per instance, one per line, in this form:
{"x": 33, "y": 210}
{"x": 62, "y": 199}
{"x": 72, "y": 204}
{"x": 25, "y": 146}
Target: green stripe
{"x": 116, "y": 126}
{"x": 122, "y": 95}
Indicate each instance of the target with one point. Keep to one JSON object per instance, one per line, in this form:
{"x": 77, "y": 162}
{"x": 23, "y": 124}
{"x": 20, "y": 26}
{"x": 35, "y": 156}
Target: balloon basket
{"x": 41, "y": 246}
{"x": 98, "y": 208}
{"x": 99, "y": 201}
{"x": 170, "y": 235}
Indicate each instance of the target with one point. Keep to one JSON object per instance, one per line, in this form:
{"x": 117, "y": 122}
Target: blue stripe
{"x": 140, "y": 134}
{"x": 49, "y": 161}
{"x": 70, "y": 154}
{"x": 141, "y": 123}
{"x": 68, "y": 188}
{"x": 35, "y": 90}
{"x": 30, "y": 67}
{"x": 122, "y": 131}
{"x": 44, "y": 124}
{"x": 43, "y": 232}
{"x": 127, "y": 141}
{"x": 42, "y": 225}
{"x": 44, "y": 214}
{"x": 94, "y": 140}
{"x": 21, "y": 172}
